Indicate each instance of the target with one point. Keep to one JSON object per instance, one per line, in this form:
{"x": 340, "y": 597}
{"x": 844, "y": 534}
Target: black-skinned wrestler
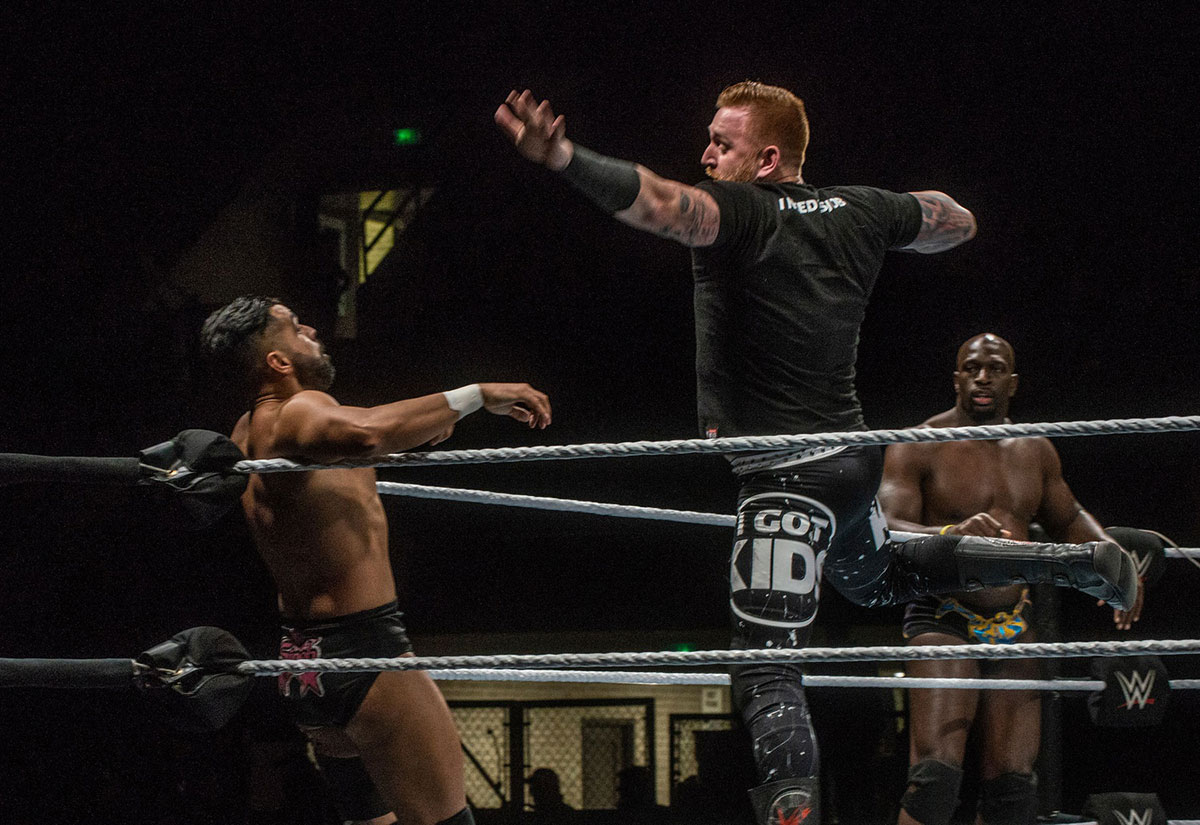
{"x": 783, "y": 271}
{"x": 979, "y": 488}
{"x": 324, "y": 536}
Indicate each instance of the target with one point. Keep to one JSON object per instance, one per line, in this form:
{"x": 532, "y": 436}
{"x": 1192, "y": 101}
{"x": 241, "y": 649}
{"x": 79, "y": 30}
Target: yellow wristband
{"x": 942, "y": 532}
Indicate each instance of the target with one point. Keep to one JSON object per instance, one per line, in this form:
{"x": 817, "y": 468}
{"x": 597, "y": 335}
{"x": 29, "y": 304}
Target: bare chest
{"x": 1003, "y": 478}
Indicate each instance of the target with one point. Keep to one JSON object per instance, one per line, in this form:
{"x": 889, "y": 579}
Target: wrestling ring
{"x": 202, "y": 675}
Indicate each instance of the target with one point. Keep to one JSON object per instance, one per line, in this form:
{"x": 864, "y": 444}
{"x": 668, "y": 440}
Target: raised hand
{"x": 519, "y": 401}
{"x": 534, "y": 130}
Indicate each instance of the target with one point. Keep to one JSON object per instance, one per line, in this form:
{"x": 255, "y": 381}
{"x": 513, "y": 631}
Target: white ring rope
{"x": 1034, "y": 650}
{"x": 568, "y": 505}
{"x": 741, "y": 444}
{"x": 598, "y": 508}
{"x": 632, "y": 677}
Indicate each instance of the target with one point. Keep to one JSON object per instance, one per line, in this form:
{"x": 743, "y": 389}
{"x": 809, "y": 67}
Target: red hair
{"x": 778, "y": 116}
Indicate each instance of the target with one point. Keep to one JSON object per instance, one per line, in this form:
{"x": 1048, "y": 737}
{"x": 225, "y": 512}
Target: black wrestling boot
{"x": 793, "y": 801}
{"x": 1098, "y": 568}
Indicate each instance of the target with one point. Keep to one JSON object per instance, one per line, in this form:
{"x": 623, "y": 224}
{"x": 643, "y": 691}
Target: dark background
{"x": 1069, "y": 129}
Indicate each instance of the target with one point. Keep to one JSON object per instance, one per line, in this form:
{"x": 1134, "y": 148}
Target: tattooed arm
{"x": 673, "y": 210}
{"x": 944, "y": 223}
{"x": 632, "y": 193}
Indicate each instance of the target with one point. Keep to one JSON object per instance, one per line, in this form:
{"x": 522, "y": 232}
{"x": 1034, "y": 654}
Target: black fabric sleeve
{"x": 611, "y": 184}
{"x": 906, "y": 218}
{"x": 738, "y": 204}
{"x": 894, "y": 217}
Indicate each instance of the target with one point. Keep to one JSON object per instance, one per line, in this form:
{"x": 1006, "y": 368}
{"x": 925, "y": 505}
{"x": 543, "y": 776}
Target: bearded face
{"x": 733, "y": 149}
{"x": 314, "y": 372}
{"x": 744, "y": 170}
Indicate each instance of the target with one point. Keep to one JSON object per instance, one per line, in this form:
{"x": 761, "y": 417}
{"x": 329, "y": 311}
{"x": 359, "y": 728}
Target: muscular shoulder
{"x": 302, "y": 409}
{"x": 910, "y": 457}
{"x": 273, "y": 428}
{"x": 307, "y": 401}
{"x": 1043, "y": 451}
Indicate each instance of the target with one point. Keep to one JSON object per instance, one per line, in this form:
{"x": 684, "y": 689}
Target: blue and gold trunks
{"x": 940, "y": 614}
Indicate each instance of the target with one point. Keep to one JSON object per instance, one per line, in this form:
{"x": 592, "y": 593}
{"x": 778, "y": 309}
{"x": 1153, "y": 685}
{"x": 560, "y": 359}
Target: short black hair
{"x": 229, "y": 334}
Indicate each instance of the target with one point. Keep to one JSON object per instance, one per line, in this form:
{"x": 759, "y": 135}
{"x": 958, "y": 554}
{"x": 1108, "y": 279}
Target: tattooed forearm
{"x": 692, "y": 224}
{"x": 944, "y": 223}
{"x": 673, "y": 210}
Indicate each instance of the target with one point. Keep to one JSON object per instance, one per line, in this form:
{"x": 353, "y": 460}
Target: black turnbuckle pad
{"x": 1125, "y": 809}
{"x": 196, "y": 466}
{"x": 192, "y": 680}
{"x": 1135, "y": 694}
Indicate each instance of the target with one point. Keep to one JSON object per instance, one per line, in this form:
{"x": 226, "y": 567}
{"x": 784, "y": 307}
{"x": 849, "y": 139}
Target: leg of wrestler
{"x": 406, "y": 737}
{"x": 352, "y": 789}
{"x": 939, "y": 722}
{"x": 789, "y": 520}
{"x": 1011, "y": 724}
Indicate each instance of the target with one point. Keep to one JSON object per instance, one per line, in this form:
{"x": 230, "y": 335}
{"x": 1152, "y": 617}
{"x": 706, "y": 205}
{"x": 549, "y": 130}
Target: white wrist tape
{"x": 465, "y": 400}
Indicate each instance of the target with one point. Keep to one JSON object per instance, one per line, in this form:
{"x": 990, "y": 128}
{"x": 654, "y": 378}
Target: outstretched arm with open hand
{"x": 629, "y": 192}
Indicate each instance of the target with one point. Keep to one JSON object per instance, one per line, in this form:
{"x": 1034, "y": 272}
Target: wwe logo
{"x": 1141, "y": 562}
{"x": 1136, "y": 687}
{"x": 1133, "y": 817}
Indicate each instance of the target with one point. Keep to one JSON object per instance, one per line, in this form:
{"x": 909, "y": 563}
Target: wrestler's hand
{"x": 1124, "y": 619}
{"x": 519, "y": 401}
{"x": 535, "y": 131}
{"x": 980, "y": 524}
{"x": 442, "y": 436}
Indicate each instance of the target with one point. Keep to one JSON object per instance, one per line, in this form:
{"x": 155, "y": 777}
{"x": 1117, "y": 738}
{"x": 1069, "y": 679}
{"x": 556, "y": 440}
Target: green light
{"x": 683, "y": 647}
{"x": 407, "y": 137}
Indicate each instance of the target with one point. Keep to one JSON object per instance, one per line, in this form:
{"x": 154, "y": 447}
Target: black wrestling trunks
{"x": 941, "y": 614}
{"x": 332, "y": 699}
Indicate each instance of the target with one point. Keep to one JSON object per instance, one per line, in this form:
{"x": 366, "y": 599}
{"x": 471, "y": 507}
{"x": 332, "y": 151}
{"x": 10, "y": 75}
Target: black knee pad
{"x": 932, "y": 793}
{"x": 1009, "y": 799}
{"x": 351, "y": 790}
{"x": 463, "y": 817}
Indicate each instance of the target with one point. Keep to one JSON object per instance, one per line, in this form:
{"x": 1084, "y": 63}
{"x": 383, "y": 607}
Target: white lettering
{"x": 785, "y": 551}
{"x": 795, "y": 524}
{"x": 760, "y": 564}
{"x": 772, "y": 566}
{"x": 767, "y": 521}
{"x": 736, "y": 582}
{"x": 791, "y": 522}
{"x": 811, "y": 205}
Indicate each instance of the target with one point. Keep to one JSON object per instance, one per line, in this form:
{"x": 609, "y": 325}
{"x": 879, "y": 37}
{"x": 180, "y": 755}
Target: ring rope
{"x": 598, "y": 508}
{"x": 1035, "y": 650}
{"x": 627, "y": 677}
{"x": 628, "y": 449}
{"x": 568, "y": 505}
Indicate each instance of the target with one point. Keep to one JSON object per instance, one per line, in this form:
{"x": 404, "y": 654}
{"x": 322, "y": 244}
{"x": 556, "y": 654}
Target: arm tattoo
{"x": 944, "y": 224}
{"x": 691, "y": 223}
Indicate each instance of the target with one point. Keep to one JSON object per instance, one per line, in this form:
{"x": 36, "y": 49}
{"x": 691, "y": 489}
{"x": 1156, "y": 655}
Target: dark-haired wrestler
{"x": 979, "y": 488}
{"x": 323, "y": 535}
{"x": 783, "y": 271}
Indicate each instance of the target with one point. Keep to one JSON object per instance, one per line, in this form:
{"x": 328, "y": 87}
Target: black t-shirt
{"x": 780, "y": 297}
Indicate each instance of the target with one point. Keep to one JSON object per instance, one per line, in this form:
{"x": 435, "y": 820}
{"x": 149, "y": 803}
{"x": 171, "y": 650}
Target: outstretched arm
{"x": 630, "y": 192}
{"x": 944, "y": 223}
{"x": 313, "y": 425}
